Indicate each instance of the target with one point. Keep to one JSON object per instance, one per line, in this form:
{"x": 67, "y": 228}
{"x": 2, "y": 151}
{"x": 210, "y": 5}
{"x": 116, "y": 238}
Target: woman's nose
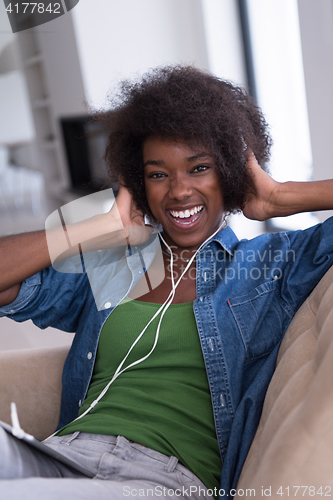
{"x": 180, "y": 188}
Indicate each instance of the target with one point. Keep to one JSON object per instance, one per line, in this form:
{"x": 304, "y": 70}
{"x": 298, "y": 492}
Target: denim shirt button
{"x": 201, "y": 299}
{"x": 210, "y": 343}
{"x": 80, "y": 403}
{"x": 107, "y": 305}
{"x": 89, "y": 355}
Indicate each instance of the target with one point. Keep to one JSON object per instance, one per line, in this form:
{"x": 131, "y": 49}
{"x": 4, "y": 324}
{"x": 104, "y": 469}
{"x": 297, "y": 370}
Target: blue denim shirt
{"x": 247, "y": 293}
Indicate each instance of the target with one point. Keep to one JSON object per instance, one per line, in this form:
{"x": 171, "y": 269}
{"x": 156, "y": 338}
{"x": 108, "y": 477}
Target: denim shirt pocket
{"x": 259, "y": 315}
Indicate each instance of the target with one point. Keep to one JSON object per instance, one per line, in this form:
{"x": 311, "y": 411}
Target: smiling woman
{"x": 183, "y": 191}
{"x": 180, "y": 367}
{"x": 191, "y": 106}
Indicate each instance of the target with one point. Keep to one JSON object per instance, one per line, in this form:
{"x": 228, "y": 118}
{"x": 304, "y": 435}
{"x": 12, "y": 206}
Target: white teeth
{"x": 187, "y": 213}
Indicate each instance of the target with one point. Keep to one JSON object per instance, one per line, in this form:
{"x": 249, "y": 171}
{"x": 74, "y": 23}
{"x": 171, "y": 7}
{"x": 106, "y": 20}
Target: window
{"x": 280, "y": 89}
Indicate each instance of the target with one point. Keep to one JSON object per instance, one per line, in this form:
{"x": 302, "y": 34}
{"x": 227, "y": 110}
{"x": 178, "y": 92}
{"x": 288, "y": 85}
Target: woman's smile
{"x": 183, "y": 190}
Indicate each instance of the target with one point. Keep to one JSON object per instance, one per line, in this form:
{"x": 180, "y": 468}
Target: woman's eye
{"x": 200, "y": 168}
{"x": 156, "y": 175}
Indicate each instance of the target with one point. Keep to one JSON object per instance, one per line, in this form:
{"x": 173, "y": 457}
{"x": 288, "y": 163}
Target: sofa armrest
{"x": 32, "y": 379}
{"x": 294, "y": 440}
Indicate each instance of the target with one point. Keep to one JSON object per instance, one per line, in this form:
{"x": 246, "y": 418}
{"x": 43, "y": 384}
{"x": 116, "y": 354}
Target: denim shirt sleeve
{"x": 311, "y": 255}
{"x": 50, "y": 298}
{"x": 29, "y": 289}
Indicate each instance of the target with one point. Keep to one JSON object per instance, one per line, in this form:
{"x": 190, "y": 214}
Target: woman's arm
{"x": 278, "y": 199}
{"x": 23, "y": 255}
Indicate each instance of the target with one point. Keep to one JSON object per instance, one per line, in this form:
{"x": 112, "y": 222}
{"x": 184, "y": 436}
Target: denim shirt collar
{"x": 227, "y": 239}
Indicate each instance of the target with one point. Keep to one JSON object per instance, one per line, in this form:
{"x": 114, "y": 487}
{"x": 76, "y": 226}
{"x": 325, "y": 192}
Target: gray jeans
{"x": 122, "y": 469}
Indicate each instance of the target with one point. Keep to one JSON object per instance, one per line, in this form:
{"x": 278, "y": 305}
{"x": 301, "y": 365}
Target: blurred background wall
{"x": 50, "y": 75}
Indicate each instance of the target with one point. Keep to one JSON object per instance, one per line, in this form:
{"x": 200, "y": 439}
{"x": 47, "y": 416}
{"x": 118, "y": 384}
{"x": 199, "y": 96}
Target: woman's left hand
{"x": 259, "y": 204}
{"x": 270, "y": 198}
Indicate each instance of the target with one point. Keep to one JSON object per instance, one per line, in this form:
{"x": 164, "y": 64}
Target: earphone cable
{"x": 165, "y": 305}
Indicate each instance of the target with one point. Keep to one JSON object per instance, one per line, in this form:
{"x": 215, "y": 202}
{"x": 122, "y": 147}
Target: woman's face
{"x": 183, "y": 191}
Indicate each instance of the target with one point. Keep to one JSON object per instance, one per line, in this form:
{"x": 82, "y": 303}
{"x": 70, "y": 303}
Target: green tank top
{"x": 164, "y": 402}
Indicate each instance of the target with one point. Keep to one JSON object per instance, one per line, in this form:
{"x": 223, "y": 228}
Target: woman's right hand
{"x": 130, "y": 217}
{"x": 123, "y": 224}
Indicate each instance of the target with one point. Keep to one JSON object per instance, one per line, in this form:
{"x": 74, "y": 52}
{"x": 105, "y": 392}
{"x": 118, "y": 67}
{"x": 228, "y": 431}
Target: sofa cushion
{"x": 293, "y": 445}
{"x": 32, "y": 379}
